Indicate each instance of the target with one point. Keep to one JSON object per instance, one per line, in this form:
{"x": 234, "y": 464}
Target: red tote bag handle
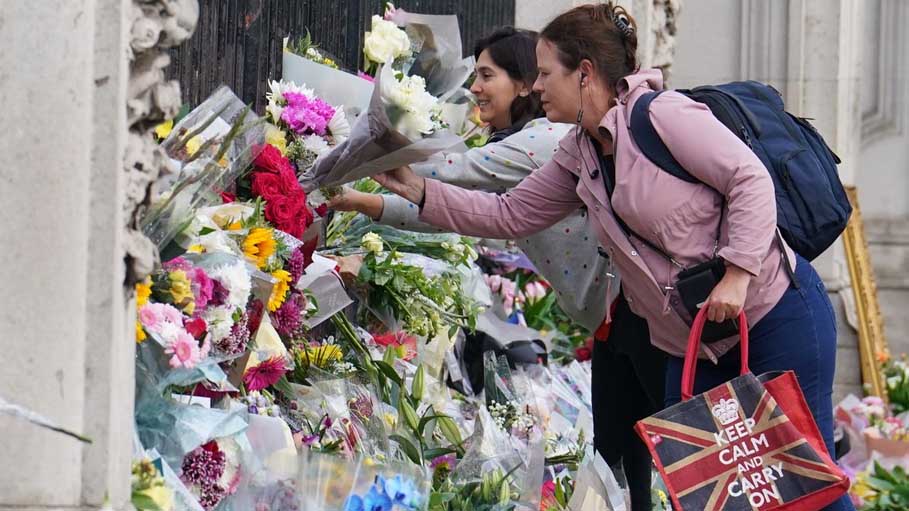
{"x": 694, "y": 346}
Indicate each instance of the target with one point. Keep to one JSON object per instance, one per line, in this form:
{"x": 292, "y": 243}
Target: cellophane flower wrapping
{"x": 438, "y": 58}
{"x": 388, "y": 135}
{"x": 329, "y": 483}
{"x": 596, "y": 487}
{"x": 212, "y": 146}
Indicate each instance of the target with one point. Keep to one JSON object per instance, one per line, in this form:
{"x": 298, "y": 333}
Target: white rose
{"x": 372, "y": 243}
{"x": 385, "y": 42}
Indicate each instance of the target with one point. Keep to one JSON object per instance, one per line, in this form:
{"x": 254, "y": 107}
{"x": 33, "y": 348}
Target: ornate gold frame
{"x": 871, "y": 340}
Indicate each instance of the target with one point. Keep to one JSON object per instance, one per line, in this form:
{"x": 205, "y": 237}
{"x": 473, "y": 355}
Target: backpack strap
{"x": 649, "y": 141}
{"x": 651, "y": 144}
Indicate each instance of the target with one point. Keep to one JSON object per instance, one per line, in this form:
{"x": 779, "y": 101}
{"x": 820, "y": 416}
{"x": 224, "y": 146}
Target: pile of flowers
{"x": 260, "y": 334}
{"x": 301, "y": 125}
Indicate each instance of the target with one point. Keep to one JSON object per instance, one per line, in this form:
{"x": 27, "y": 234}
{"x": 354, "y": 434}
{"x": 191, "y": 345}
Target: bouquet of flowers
{"x": 211, "y": 471}
{"x": 302, "y": 125}
{"x": 435, "y": 42}
{"x": 425, "y": 304}
{"x": 896, "y": 374}
{"x": 306, "y": 48}
{"x": 416, "y": 69}
{"x": 212, "y": 146}
{"x": 449, "y": 247}
{"x": 402, "y": 126}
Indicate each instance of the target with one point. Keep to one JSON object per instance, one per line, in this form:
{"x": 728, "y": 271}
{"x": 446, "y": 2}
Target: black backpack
{"x": 812, "y": 206}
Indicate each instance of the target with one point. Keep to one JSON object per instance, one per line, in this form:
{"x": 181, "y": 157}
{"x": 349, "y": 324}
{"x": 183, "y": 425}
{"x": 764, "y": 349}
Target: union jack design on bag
{"x": 736, "y": 447}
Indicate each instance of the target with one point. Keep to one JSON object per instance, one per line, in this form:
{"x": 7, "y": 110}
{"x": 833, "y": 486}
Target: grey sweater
{"x": 565, "y": 254}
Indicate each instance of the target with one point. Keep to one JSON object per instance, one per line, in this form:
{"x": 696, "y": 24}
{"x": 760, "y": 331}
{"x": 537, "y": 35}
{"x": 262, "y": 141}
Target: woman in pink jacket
{"x": 588, "y": 75}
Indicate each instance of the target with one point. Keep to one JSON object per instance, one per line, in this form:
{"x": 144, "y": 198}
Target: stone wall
{"x": 47, "y": 106}
{"x": 74, "y": 182}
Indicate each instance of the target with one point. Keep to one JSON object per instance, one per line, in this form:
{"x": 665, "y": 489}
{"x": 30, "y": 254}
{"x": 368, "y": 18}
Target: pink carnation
{"x": 305, "y": 115}
{"x": 203, "y": 287}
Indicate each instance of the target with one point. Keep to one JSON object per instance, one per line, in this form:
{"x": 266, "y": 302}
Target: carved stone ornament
{"x": 665, "y": 14}
{"x": 155, "y": 26}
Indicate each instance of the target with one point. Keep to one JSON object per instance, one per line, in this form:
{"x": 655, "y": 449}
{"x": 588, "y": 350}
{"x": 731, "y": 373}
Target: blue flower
{"x": 354, "y": 503}
{"x": 402, "y": 491}
{"x": 376, "y": 500}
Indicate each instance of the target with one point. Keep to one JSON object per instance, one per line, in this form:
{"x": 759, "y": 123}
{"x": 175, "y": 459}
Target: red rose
{"x": 271, "y": 160}
{"x": 322, "y": 209}
{"x": 267, "y": 185}
{"x": 584, "y": 352}
{"x": 289, "y": 182}
{"x": 282, "y": 211}
{"x": 196, "y": 327}
{"x": 227, "y": 197}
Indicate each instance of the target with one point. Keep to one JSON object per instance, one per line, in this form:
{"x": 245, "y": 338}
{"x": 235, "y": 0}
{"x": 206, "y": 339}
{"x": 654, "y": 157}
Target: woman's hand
{"x": 370, "y": 204}
{"x": 728, "y": 297}
{"x": 403, "y": 182}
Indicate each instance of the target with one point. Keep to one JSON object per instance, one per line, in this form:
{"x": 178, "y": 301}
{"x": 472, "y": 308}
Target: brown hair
{"x": 603, "y": 33}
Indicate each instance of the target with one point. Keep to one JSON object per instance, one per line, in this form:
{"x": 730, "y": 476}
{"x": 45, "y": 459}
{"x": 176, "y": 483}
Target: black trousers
{"x": 628, "y": 385}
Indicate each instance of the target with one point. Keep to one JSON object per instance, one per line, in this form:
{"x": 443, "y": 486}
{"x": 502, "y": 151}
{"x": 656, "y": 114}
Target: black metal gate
{"x": 239, "y": 42}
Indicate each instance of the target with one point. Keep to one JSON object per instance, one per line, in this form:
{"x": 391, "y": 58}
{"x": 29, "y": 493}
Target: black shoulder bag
{"x": 693, "y": 284}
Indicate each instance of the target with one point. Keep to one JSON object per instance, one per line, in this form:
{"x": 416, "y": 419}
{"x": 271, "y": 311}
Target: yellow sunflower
{"x": 279, "y": 291}
{"x": 259, "y": 245}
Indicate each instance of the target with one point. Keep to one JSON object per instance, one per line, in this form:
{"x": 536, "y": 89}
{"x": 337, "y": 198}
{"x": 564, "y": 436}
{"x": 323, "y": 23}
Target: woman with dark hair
{"x": 627, "y": 370}
{"x": 588, "y": 75}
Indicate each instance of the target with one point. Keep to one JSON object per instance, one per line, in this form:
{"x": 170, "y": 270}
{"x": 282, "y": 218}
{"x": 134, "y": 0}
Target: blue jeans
{"x": 798, "y": 334}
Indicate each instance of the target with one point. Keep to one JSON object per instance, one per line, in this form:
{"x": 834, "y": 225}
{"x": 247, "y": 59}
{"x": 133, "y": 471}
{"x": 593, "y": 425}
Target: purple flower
{"x": 238, "y": 339}
{"x": 204, "y": 466}
{"x": 212, "y": 496}
{"x": 297, "y": 264}
{"x": 448, "y": 461}
{"x": 219, "y": 293}
{"x": 305, "y": 115}
{"x": 287, "y": 318}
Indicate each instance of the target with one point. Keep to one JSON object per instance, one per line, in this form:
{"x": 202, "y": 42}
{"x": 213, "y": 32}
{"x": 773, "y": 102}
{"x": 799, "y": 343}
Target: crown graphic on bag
{"x": 726, "y": 411}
